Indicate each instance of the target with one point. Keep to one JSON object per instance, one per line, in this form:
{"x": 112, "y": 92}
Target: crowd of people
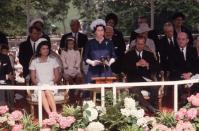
{"x": 79, "y": 60}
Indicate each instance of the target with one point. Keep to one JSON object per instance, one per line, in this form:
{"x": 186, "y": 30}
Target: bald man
{"x": 80, "y": 39}
{"x": 184, "y": 63}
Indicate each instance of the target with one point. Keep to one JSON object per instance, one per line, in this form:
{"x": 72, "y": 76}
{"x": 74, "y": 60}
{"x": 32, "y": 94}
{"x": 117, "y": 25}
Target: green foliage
{"x": 28, "y": 124}
{"x": 167, "y": 119}
{"x": 131, "y": 128}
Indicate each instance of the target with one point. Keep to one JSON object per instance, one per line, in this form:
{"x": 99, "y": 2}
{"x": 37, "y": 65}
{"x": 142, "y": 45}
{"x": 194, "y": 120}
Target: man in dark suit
{"x": 139, "y": 65}
{"x": 80, "y": 39}
{"x": 5, "y": 76}
{"x": 178, "y": 19}
{"x": 151, "y": 34}
{"x": 166, "y": 47}
{"x": 118, "y": 42}
{"x": 3, "y": 39}
{"x": 28, "y": 48}
{"x": 184, "y": 63}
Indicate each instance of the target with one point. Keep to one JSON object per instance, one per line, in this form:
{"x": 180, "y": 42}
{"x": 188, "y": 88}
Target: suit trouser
{"x": 2, "y": 97}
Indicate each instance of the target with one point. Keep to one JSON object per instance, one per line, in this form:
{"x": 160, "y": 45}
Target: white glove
{"x": 111, "y": 61}
{"x": 93, "y": 62}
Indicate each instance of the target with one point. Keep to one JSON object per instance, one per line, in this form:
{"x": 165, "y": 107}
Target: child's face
{"x": 71, "y": 45}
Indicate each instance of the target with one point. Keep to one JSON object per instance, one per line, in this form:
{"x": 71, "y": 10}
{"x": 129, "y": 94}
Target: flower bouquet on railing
{"x": 16, "y": 121}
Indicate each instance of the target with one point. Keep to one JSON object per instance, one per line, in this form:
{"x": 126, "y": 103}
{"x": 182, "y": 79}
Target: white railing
{"x": 114, "y": 87}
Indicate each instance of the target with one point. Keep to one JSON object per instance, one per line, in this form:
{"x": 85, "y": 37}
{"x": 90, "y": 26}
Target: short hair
{"x": 42, "y": 24}
{"x": 4, "y": 46}
{"x": 75, "y": 20}
{"x": 178, "y": 14}
{"x": 70, "y": 38}
{"x": 183, "y": 33}
{"x": 34, "y": 27}
{"x": 167, "y": 24}
{"x": 111, "y": 16}
{"x": 43, "y": 43}
{"x": 140, "y": 37}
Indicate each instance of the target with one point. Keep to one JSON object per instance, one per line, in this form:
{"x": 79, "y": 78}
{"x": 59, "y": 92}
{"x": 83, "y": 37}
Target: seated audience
{"x": 178, "y": 20}
{"x": 151, "y": 34}
{"x": 143, "y": 30}
{"x": 44, "y": 71}
{"x": 139, "y": 65}
{"x": 71, "y": 61}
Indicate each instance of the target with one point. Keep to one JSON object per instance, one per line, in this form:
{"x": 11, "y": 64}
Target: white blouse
{"x": 44, "y": 70}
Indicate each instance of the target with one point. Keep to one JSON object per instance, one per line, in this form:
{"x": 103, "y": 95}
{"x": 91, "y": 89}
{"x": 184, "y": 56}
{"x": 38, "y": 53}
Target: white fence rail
{"x": 114, "y": 87}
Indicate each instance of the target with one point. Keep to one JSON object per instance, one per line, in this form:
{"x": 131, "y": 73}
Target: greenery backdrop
{"x": 58, "y": 13}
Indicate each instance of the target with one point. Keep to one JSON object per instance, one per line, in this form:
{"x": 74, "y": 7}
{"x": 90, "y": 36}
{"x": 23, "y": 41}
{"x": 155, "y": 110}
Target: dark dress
{"x": 96, "y": 51}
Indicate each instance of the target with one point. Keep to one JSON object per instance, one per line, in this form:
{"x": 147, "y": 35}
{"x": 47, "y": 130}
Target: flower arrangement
{"x": 58, "y": 122}
{"x": 16, "y": 120}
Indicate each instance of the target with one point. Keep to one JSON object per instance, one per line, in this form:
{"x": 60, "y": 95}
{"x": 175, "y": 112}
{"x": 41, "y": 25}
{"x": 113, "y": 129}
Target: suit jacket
{"x": 25, "y": 55}
{"x": 134, "y": 74}
{"x": 166, "y": 52}
{"x": 119, "y": 48}
{"x": 5, "y": 66}
{"x": 3, "y": 39}
{"x": 180, "y": 66}
{"x": 82, "y": 40}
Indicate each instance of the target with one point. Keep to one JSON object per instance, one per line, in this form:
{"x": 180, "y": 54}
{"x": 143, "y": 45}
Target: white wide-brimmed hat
{"x": 36, "y": 20}
{"x": 96, "y": 23}
{"x": 41, "y": 40}
{"x": 144, "y": 27}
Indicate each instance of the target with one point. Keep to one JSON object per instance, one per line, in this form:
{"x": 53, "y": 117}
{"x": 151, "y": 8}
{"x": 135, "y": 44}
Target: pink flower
{"x": 17, "y": 127}
{"x": 161, "y": 127}
{"x": 66, "y": 122}
{"x": 195, "y": 101}
{"x": 181, "y": 113}
{"x": 191, "y": 113}
{"x": 16, "y": 115}
{"x": 184, "y": 126}
{"x": 3, "y": 109}
{"x": 49, "y": 122}
{"x": 54, "y": 115}
{"x": 80, "y": 129}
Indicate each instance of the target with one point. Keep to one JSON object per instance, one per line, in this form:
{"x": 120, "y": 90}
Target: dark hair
{"x": 111, "y": 16}
{"x": 178, "y": 14}
{"x": 4, "y": 47}
{"x": 67, "y": 40}
{"x": 43, "y": 43}
{"x": 42, "y": 24}
{"x": 34, "y": 27}
{"x": 139, "y": 37}
{"x": 95, "y": 28}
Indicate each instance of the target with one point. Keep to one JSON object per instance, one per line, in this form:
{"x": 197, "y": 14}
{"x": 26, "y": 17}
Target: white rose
{"x": 139, "y": 113}
{"x": 3, "y": 119}
{"x": 129, "y": 103}
{"x": 95, "y": 126}
{"x": 142, "y": 122}
{"x": 91, "y": 114}
{"x": 126, "y": 112}
{"x": 101, "y": 110}
{"x": 91, "y": 104}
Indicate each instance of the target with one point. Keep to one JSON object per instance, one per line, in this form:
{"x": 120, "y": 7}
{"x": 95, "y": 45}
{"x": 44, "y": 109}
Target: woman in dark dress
{"x": 99, "y": 53}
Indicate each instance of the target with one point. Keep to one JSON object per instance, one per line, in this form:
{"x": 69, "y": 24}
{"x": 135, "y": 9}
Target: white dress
{"x": 44, "y": 70}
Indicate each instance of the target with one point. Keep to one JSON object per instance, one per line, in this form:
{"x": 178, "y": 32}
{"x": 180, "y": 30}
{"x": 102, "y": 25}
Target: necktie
{"x": 34, "y": 48}
{"x": 182, "y": 52}
{"x": 171, "y": 42}
{"x": 139, "y": 55}
{"x": 76, "y": 39}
